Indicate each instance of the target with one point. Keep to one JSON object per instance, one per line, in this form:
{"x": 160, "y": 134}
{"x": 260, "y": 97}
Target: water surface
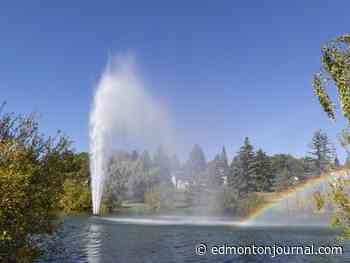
{"x": 149, "y": 240}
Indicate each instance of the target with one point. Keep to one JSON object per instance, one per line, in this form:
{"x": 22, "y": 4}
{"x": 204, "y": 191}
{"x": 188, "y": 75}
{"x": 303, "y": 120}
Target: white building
{"x": 179, "y": 180}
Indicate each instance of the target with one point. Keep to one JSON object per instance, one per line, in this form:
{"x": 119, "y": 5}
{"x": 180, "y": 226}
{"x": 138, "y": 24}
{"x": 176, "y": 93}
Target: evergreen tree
{"x": 196, "y": 164}
{"x": 263, "y": 171}
{"x": 224, "y": 164}
{"x": 309, "y": 167}
{"x": 162, "y": 160}
{"x": 224, "y": 156}
{"x": 243, "y": 175}
{"x": 236, "y": 181}
{"x": 287, "y": 170}
{"x": 216, "y": 171}
{"x": 321, "y": 150}
{"x": 283, "y": 180}
{"x": 196, "y": 170}
{"x": 146, "y": 160}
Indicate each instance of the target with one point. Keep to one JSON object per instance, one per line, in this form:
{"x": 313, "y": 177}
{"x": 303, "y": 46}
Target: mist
{"x": 123, "y": 116}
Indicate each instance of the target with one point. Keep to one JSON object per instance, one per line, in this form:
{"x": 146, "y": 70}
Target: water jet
{"x": 123, "y": 115}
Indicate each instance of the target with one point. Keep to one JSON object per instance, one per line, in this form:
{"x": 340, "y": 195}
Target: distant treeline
{"x": 214, "y": 186}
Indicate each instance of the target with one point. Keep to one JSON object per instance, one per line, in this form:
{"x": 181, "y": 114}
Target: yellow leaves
{"x": 336, "y": 67}
{"x": 335, "y": 221}
{"x": 76, "y": 197}
{"x": 4, "y": 236}
{"x": 323, "y": 97}
{"x": 319, "y": 200}
{"x": 152, "y": 198}
{"x": 341, "y": 201}
{"x": 32, "y": 170}
{"x": 344, "y": 38}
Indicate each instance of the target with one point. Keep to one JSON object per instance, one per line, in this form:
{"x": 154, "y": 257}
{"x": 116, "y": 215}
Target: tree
{"x": 218, "y": 169}
{"x": 287, "y": 171}
{"x": 335, "y": 72}
{"x": 76, "y": 196}
{"x": 309, "y": 167}
{"x": 196, "y": 163}
{"x": 196, "y": 170}
{"x": 225, "y": 168}
{"x": 243, "y": 174}
{"x": 162, "y": 160}
{"x": 119, "y": 173}
{"x": 321, "y": 150}
{"x": 32, "y": 172}
{"x": 146, "y": 159}
{"x": 153, "y": 198}
{"x": 344, "y": 140}
{"x": 216, "y": 172}
{"x": 283, "y": 180}
{"x": 76, "y": 188}
{"x": 263, "y": 171}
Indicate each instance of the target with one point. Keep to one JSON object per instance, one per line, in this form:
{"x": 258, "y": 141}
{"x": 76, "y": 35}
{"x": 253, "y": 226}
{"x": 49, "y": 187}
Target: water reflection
{"x": 93, "y": 241}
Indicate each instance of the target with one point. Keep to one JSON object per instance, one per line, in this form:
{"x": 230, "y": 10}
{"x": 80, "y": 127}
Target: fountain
{"x": 123, "y": 115}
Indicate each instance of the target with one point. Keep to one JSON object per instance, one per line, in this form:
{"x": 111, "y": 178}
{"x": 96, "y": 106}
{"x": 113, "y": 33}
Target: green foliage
{"x": 319, "y": 200}
{"x": 283, "y": 180}
{"x": 76, "y": 196}
{"x": 152, "y": 198}
{"x": 162, "y": 161}
{"x": 248, "y": 204}
{"x": 344, "y": 140}
{"x": 309, "y": 166}
{"x": 243, "y": 170}
{"x": 335, "y": 70}
{"x": 321, "y": 151}
{"x": 119, "y": 171}
{"x": 229, "y": 200}
{"x": 196, "y": 171}
{"x": 287, "y": 171}
{"x": 197, "y": 189}
{"x": 263, "y": 171}
{"x": 31, "y": 169}
{"x": 323, "y": 97}
{"x": 340, "y": 197}
{"x": 196, "y": 164}
{"x": 218, "y": 170}
{"x": 130, "y": 178}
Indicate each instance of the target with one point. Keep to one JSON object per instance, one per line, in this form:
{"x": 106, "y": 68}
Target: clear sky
{"x": 225, "y": 69}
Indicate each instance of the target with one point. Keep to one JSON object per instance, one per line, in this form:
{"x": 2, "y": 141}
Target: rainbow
{"x": 302, "y": 187}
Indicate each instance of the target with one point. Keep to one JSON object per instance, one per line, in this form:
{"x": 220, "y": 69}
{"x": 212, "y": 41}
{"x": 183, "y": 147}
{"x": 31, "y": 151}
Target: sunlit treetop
{"x": 335, "y": 70}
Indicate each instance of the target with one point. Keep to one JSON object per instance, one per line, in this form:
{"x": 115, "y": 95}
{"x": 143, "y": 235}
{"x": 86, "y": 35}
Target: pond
{"x": 174, "y": 239}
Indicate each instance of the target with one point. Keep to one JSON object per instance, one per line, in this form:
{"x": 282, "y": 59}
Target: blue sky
{"x": 225, "y": 69}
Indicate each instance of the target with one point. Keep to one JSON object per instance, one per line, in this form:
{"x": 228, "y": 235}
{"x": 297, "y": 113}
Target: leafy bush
{"x": 152, "y": 198}
{"x": 76, "y": 197}
{"x": 31, "y": 179}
